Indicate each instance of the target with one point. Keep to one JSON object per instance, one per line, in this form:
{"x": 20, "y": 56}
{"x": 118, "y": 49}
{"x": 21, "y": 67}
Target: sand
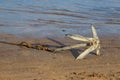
{"x": 19, "y": 63}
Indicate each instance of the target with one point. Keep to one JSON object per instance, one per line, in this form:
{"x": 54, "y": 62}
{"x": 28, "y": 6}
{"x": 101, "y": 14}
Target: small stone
{"x": 63, "y": 30}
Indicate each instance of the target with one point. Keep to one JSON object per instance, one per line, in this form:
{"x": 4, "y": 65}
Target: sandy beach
{"x": 46, "y": 22}
{"x": 18, "y": 63}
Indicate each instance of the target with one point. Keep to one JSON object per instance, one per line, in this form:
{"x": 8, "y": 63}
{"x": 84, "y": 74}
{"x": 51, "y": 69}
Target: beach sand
{"x": 18, "y": 63}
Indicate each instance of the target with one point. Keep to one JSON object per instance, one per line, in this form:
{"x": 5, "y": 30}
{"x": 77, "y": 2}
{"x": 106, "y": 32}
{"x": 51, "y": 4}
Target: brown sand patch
{"x": 18, "y": 63}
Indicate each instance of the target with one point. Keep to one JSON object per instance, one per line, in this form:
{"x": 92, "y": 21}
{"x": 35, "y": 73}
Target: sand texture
{"x": 19, "y": 63}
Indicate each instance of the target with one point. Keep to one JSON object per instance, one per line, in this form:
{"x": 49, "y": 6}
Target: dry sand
{"x": 17, "y": 63}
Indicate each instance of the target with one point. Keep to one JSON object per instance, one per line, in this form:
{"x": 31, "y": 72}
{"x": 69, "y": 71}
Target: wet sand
{"x": 18, "y": 63}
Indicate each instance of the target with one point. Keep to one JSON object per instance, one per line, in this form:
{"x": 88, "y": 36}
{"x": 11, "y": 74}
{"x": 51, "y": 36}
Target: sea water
{"x": 47, "y": 18}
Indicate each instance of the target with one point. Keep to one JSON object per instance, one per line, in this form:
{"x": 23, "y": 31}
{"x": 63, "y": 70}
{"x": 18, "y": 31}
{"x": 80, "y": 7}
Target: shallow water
{"x": 45, "y": 18}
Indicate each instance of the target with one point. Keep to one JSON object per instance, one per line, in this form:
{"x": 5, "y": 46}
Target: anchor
{"x": 93, "y": 44}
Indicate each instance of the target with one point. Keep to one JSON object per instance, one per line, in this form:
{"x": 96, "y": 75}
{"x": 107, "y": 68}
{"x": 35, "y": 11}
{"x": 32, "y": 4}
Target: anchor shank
{"x": 70, "y": 47}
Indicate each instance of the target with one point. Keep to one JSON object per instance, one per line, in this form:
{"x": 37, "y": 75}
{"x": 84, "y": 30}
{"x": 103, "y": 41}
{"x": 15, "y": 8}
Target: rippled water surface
{"x": 45, "y": 18}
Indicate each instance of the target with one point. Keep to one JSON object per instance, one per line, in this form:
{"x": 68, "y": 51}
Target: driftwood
{"x": 93, "y": 43}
